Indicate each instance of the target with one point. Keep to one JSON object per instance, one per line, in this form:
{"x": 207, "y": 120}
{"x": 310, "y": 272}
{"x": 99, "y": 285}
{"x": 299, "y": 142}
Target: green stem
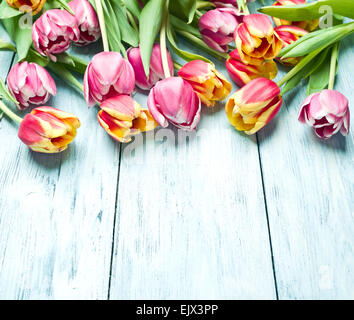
{"x": 246, "y": 11}
{"x": 198, "y": 13}
{"x": 10, "y": 113}
{"x": 200, "y": 43}
{"x": 163, "y": 45}
{"x": 205, "y": 4}
{"x": 102, "y": 25}
{"x": 303, "y": 62}
{"x": 332, "y": 73}
{"x": 6, "y": 46}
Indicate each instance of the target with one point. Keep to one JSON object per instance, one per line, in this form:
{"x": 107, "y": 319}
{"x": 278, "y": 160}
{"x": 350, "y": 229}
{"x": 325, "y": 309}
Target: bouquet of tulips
{"x": 141, "y": 52}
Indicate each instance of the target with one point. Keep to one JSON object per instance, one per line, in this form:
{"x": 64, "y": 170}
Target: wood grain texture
{"x": 57, "y": 211}
{"x": 309, "y": 192}
{"x": 191, "y": 220}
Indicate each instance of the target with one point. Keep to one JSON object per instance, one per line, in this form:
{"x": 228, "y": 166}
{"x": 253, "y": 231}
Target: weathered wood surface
{"x": 218, "y": 215}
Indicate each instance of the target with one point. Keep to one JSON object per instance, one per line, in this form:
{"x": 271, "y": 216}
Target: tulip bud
{"x": 107, "y": 75}
{"x": 53, "y": 32}
{"x": 156, "y": 69}
{"x": 242, "y": 73}
{"x": 30, "y": 83}
{"x": 174, "y": 100}
{"x": 288, "y": 35}
{"x": 253, "y": 106}
{"x": 209, "y": 84}
{"x": 48, "y": 130}
{"x": 308, "y": 25}
{"x": 32, "y": 6}
{"x": 217, "y": 27}
{"x": 256, "y": 40}
{"x": 87, "y": 21}
{"x": 122, "y": 117}
{"x": 327, "y": 112}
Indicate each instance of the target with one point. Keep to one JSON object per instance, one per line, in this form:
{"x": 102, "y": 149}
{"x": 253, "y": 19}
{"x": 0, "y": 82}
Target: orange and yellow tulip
{"x": 122, "y": 117}
{"x": 33, "y": 6}
{"x": 208, "y": 83}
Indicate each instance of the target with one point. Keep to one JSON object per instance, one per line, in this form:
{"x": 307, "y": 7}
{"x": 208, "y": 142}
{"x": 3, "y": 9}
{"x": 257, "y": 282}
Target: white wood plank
{"x": 191, "y": 220}
{"x": 309, "y": 191}
{"x": 57, "y": 211}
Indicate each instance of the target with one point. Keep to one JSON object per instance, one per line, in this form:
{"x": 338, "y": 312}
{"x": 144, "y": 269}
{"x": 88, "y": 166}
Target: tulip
{"x": 209, "y": 84}
{"x": 87, "y": 21}
{"x": 122, "y": 117}
{"x": 33, "y": 6}
{"x": 253, "y": 106}
{"x": 107, "y": 75}
{"x": 30, "y": 83}
{"x": 256, "y": 40}
{"x": 308, "y": 25}
{"x": 156, "y": 69}
{"x": 242, "y": 73}
{"x": 48, "y": 130}
{"x": 327, "y": 112}
{"x": 53, "y": 32}
{"x": 174, "y": 100}
{"x": 217, "y": 27}
{"x": 288, "y": 35}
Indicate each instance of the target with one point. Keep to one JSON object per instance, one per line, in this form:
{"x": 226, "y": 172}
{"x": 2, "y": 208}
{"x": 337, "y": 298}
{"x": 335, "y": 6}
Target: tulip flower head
{"x": 29, "y": 83}
{"x": 288, "y": 35}
{"x": 106, "y": 76}
{"x": 174, "y": 100}
{"x": 253, "y": 106}
{"x": 53, "y": 32}
{"x": 122, "y": 117}
{"x": 256, "y": 40}
{"x": 209, "y": 84}
{"x": 327, "y": 112}
{"x": 87, "y": 21}
{"x": 156, "y": 69}
{"x": 32, "y": 6}
{"x": 48, "y": 130}
{"x": 309, "y": 25}
{"x": 217, "y": 27}
{"x": 242, "y": 73}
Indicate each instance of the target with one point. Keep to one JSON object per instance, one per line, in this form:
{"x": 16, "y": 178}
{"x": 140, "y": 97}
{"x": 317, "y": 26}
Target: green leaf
{"x": 133, "y": 7}
{"x": 180, "y": 24}
{"x": 311, "y": 10}
{"x": 80, "y": 65}
{"x": 185, "y": 55}
{"x": 6, "y": 46}
{"x": 129, "y": 34}
{"x": 64, "y": 74}
{"x": 187, "y": 7}
{"x": 7, "y": 12}
{"x": 316, "y": 40}
{"x": 34, "y": 56}
{"x": 20, "y": 34}
{"x": 150, "y": 25}
{"x": 5, "y": 94}
{"x": 320, "y": 77}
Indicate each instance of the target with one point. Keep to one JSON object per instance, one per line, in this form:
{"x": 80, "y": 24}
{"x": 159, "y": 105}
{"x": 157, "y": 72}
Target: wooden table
{"x": 215, "y": 215}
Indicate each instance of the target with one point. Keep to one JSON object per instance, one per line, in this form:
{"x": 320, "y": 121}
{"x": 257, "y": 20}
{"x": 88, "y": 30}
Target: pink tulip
{"x": 156, "y": 68}
{"x": 107, "y": 75}
{"x": 30, "y": 83}
{"x": 174, "y": 100}
{"x": 217, "y": 27}
{"x": 87, "y": 21}
{"x": 328, "y": 112}
{"x": 53, "y": 32}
